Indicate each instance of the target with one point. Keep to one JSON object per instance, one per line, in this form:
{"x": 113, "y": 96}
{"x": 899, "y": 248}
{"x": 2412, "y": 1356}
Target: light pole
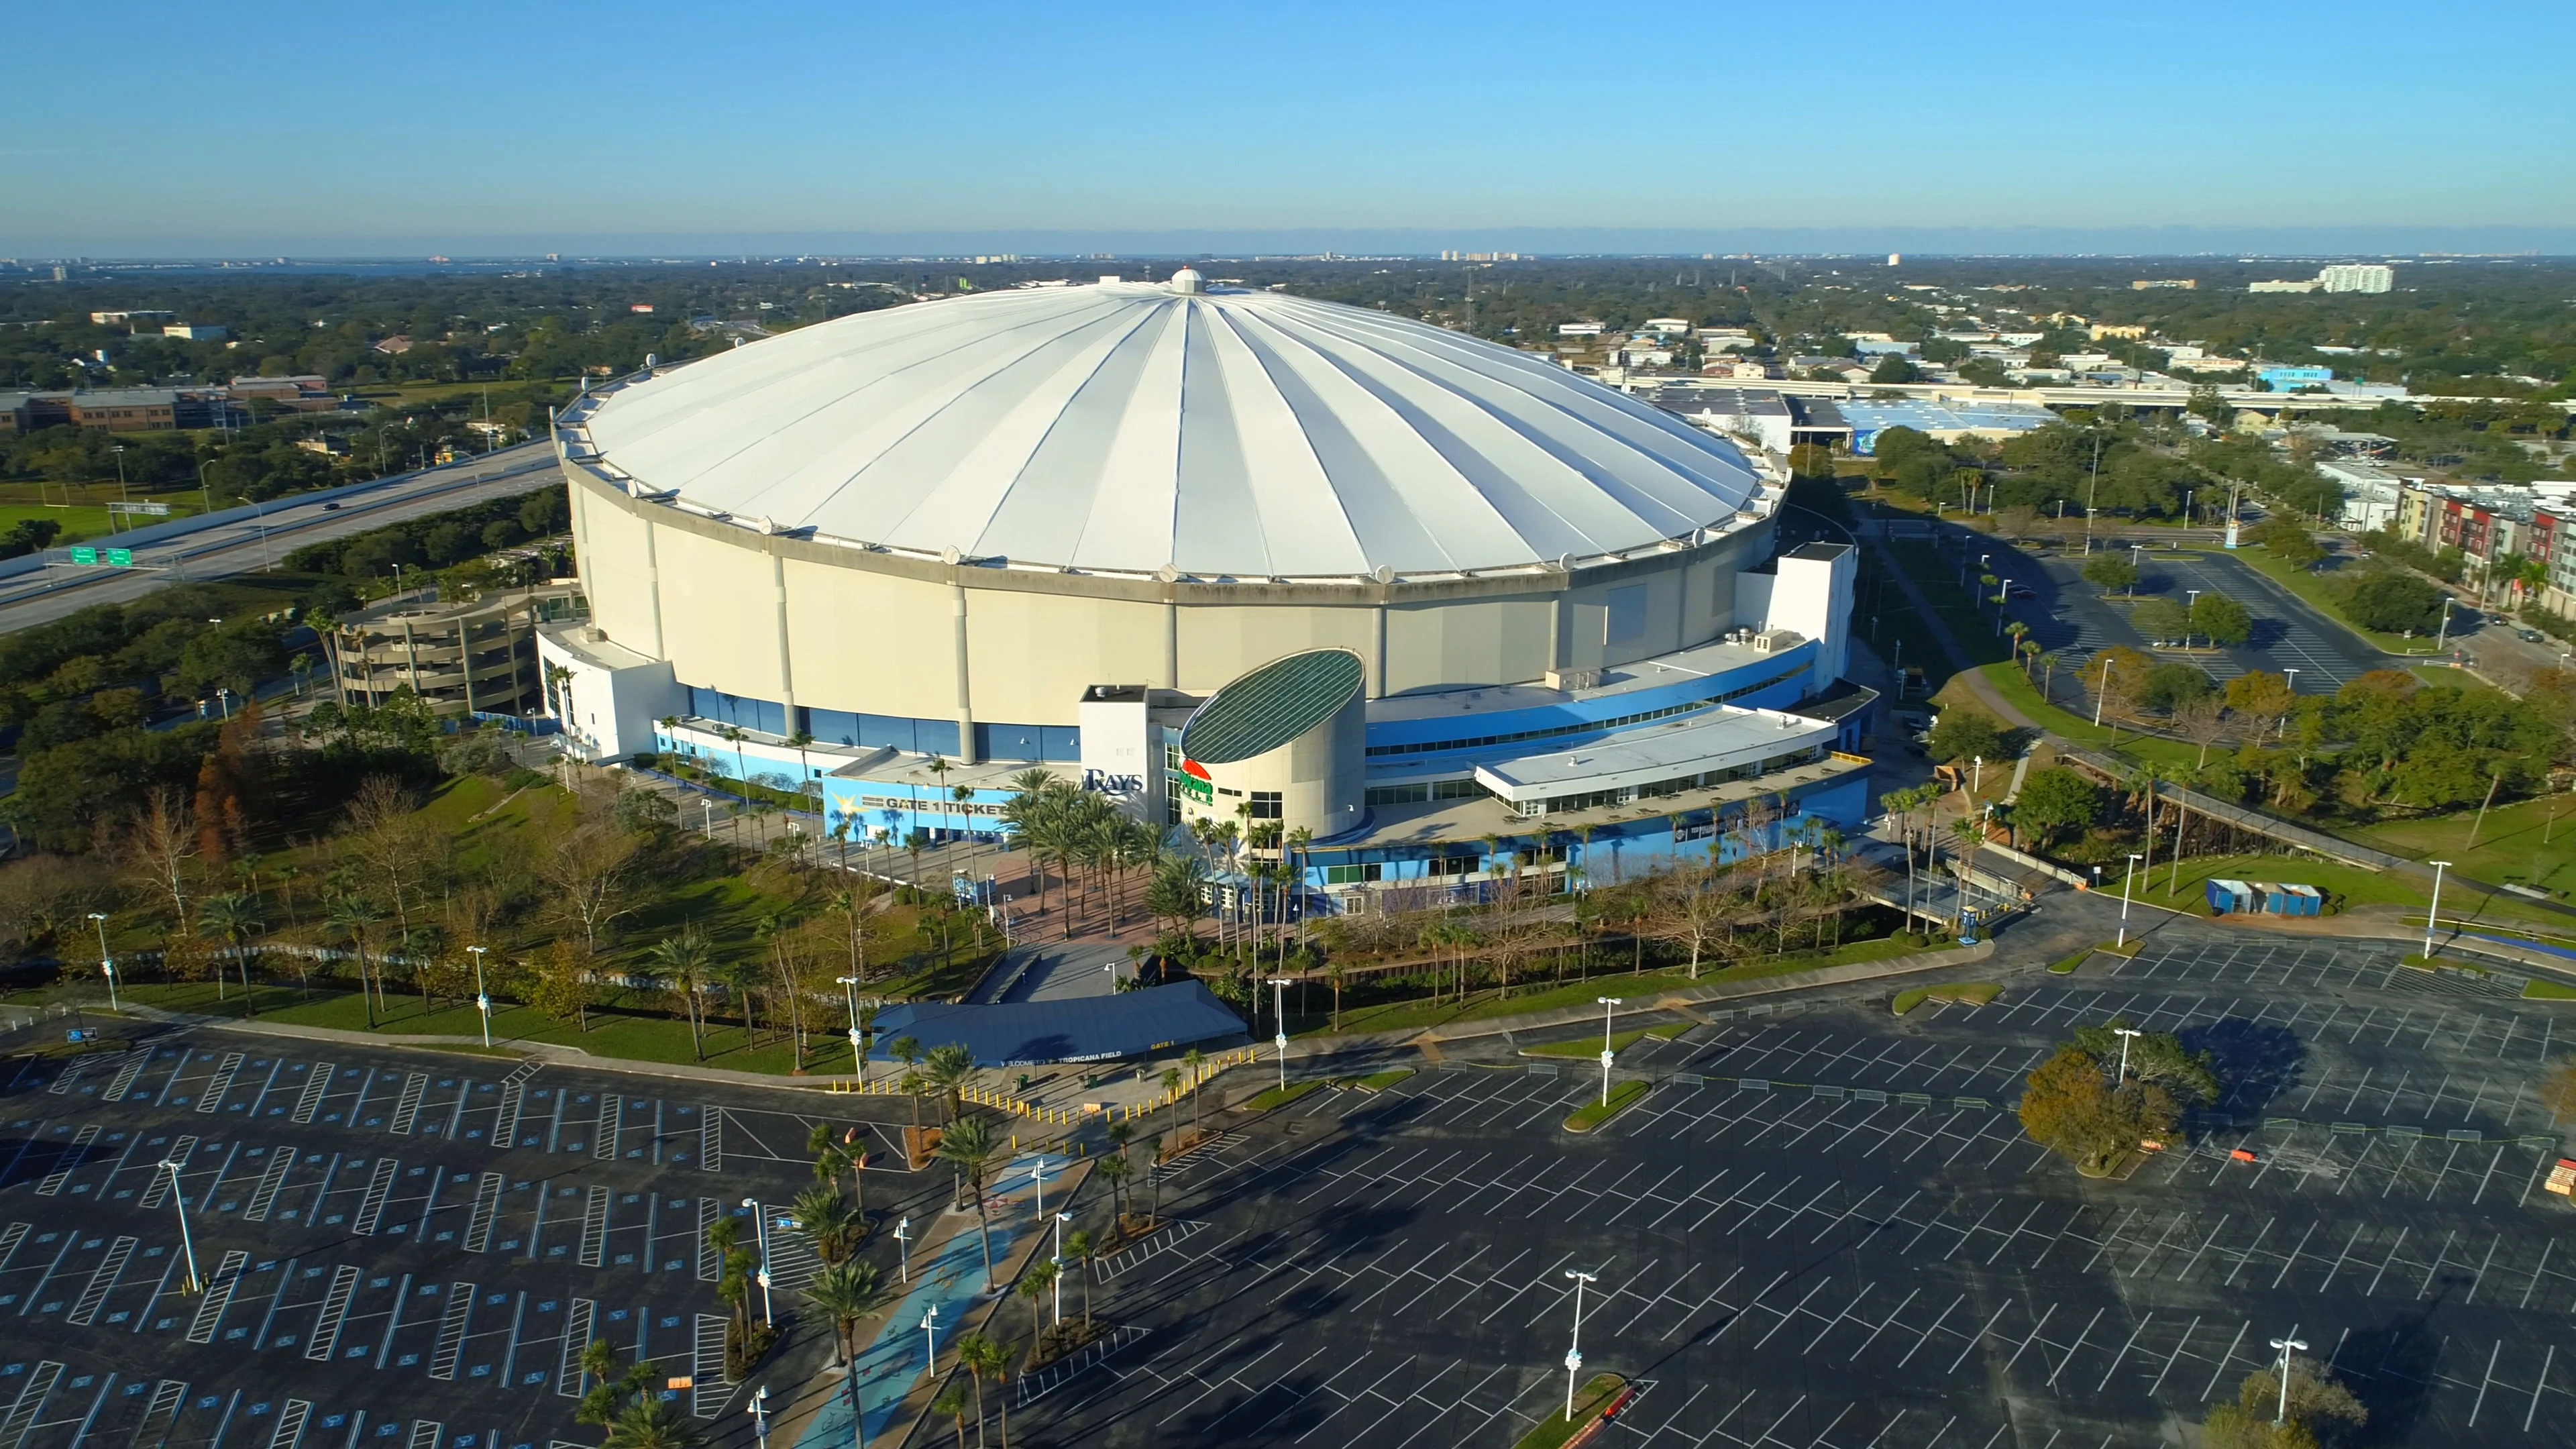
{"x": 2125, "y": 877}
{"x": 2441, "y": 638}
{"x": 1279, "y": 1010}
{"x": 2189, "y": 603}
{"x": 858, "y": 1058}
{"x": 903, "y": 1249}
{"x": 1037, "y": 1175}
{"x": 106, "y": 963}
{"x": 2104, "y": 692}
{"x": 707, "y": 817}
{"x": 2287, "y": 1346}
{"x": 482, "y": 998}
{"x": 930, "y": 1333}
{"x": 760, "y": 1225}
{"x": 1608, "y": 1004}
{"x": 1574, "y": 1354}
{"x": 760, "y": 1414}
{"x": 187, "y": 1244}
{"x": 1061, "y": 1219}
{"x": 2431, "y": 915}
{"x": 2126, "y": 1035}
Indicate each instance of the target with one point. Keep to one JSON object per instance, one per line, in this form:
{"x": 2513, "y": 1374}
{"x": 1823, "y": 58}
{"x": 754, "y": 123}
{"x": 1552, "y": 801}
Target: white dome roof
{"x": 1129, "y": 427}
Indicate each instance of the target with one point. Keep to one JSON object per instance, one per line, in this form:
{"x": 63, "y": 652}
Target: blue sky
{"x": 470, "y": 127}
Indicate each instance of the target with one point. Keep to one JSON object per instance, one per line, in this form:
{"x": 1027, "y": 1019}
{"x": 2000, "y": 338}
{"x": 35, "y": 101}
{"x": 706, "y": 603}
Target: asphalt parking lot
{"x": 401, "y": 1249}
{"x": 2074, "y": 619}
{"x": 1824, "y": 1228}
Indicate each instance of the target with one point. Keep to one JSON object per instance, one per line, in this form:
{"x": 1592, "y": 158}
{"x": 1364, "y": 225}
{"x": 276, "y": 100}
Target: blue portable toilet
{"x": 2229, "y": 897}
{"x": 2302, "y": 900}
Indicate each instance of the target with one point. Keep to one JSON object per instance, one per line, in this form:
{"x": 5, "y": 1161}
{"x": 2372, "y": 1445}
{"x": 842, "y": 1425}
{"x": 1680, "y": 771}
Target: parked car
{"x": 2021, "y": 591}
{"x": 2529, "y": 636}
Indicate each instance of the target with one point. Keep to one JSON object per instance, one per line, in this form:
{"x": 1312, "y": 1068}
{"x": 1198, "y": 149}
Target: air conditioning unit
{"x": 1773, "y": 641}
{"x": 1570, "y": 680}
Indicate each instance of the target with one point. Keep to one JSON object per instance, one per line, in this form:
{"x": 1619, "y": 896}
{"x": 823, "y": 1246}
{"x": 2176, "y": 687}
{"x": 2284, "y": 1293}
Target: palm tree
{"x": 826, "y": 1219}
{"x": 964, "y": 795}
{"x": 840, "y": 1296}
{"x": 800, "y": 742}
{"x": 1079, "y": 1245}
{"x": 598, "y": 1361}
{"x": 651, "y": 1423}
{"x": 350, "y": 920}
{"x": 1033, "y": 1289}
{"x": 741, "y": 770}
{"x": 684, "y": 959}
{"x": 1194, "y": 1061}
{"x": 986, "y": 1358}
{"x": 975, "y": 1353}
{"x": 234, "y": 919}
{"x": 968, "y": 1146}
{"x": 1172, "y": 1087}
{"x": 952, "y": 1404}
{"x": 1115, "y": 1170}
{"x": 947, "y": 1068}
{"x": 939, "y": 768}
{"x": 1333, "y": 973}
{"x": 907, "y": 1051}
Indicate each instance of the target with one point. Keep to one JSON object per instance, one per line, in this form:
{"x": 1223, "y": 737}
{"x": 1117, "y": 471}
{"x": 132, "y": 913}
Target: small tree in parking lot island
{"x": 2081, "y": 1105}
{"x": 2318, "y": 1411}
{"x": 2108, "y": 571}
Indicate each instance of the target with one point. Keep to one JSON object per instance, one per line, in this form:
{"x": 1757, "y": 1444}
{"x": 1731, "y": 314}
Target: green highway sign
{"x": 120, "y": 558}
{"x": 84, "y": 555}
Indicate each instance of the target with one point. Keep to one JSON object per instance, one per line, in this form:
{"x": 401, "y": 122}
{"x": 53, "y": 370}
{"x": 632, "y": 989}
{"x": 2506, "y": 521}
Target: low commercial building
{"x": 196, "y": 331}
{"x": 2371, "y": 494}
{"x": 469, "y": 657}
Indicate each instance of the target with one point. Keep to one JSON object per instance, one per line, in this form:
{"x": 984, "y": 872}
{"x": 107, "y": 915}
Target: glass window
{"x": 1266, "y": 805}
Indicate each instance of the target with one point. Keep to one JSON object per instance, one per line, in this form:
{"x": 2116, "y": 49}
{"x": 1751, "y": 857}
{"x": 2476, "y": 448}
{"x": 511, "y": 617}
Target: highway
{"x": 223, "y": 545}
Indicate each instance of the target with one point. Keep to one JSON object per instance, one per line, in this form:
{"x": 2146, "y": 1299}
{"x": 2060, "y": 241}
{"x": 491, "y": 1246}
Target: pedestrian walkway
{"x": 949, "y": 1278}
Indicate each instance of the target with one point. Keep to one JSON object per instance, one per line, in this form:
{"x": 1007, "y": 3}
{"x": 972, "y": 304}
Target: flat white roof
{"x": 1723, "y": 739}
{"x": 1715, "y": 657}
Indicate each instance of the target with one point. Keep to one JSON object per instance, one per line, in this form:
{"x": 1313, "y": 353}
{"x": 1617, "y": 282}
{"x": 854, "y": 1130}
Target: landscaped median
{"x": 1974, "y": 993}
{"x": 1586, "y": 1049}
{"x": 1592, "y": 1114}
{"x": 1596, "y": 1399}
{"x": 1270, "y": 1097}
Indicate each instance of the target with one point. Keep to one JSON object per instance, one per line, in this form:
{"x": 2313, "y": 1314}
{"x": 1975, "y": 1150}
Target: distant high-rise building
{"x": 2357, "y": 277}
{"x": 1893, "y": 258}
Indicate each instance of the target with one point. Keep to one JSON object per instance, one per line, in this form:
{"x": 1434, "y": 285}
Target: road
{"x": 225, "y": 546}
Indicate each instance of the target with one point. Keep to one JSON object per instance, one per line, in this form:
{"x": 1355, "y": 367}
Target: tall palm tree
{"x": 234, "y": 919}
{"x": 907, "y": 1051}
{"x": 951, "y": 1404}
{"x": 969, "y": 1147}
{"x": 685, "y": 960}
{"x": 1194, "y": 1061}
{"x": 352, "y": 919}
{"x": 1116, "y": 1170}
{"x": 964, "y": 795}
{"x": 948, "y": 1067}
{"x": 840, "y": 1296}
{"x": 1033, "y": 1290}
{"x": 1079, "y": 1246}
{"x": 939, "y": 768}
{"x": 651, "y": 1423}
{"x": 741, "y": 769}
{"x": 825, "y": 1219}
{"x": 986, "y": 1358}
{"x": 975, "y": 1356}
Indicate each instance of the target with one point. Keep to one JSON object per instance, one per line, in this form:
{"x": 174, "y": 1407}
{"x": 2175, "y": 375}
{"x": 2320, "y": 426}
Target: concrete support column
{"x": 1171, "y": 641}
{"x": 965, "y": 699}
{"x": 653, "y": 583}
{"x": 786, "y": 670}
{"x": 1556, "y": 632}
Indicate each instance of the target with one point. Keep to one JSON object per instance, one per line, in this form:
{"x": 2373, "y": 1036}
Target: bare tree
{"x": 1691, "y": 905}
{"x": 2202, "y": 721}
{"x": 591, "y": 870}
{"x": 162, "y": 846}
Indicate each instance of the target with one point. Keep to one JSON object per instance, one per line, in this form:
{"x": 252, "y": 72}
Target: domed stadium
{"x": 1381, "y": 575}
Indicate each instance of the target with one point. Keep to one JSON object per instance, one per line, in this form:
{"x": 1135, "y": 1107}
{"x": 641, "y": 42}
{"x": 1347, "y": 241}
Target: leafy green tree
{"x": 1963, "y": 734}
{"x": 2320, "y": 1411}
{"x": 2053, "y": 801}
{"x": 2160, "y": 619}
{"x": 2221, "y": 620}
{"x": 2172, "y": 685}
{"x": 2154, "y": 1056}
{"x": 2108, "y": 571}
{"x": 2394, "y": 602}
{"x": 1895, "y": 368}
{"x": 2070, "y": 1107}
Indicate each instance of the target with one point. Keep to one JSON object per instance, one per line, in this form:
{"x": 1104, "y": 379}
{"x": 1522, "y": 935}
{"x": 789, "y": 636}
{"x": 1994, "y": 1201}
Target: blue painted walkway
{"x": 953, "y": 1280}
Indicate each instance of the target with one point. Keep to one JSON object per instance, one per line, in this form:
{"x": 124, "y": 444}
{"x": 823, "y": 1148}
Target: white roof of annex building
{"x": 1133, "y": 427}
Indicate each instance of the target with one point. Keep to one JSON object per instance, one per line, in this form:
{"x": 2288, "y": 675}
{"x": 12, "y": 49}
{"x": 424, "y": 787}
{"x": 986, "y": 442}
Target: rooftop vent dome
{"x": 1188, "y": 280}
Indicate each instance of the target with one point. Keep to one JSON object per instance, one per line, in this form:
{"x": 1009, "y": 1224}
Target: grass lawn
{"x": 1556, "y": 1428}
{"x": 2008, "y": 681}
{"x": 1975, "y": 993}
{"x": 1971, "y": 625}
{"x": 2348, "y": 885}
{"x": 1619, "y": 1042}
{"x": 611, "y": 1034}
{"x": 1380, "y": 1081}
{"x": 1594, "y": 1113}
{"x": 1270, "y": 1097}
{"x": 1416, "y": 1015}
{"x": 2312, "y": 589}
{"x": 77, "y": 523}
{"x": 2538, "y": 990}
{"x": 2511, "y": 845}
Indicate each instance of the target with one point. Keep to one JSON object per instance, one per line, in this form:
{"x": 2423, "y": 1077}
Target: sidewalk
{"x": 892, "y": 1389}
